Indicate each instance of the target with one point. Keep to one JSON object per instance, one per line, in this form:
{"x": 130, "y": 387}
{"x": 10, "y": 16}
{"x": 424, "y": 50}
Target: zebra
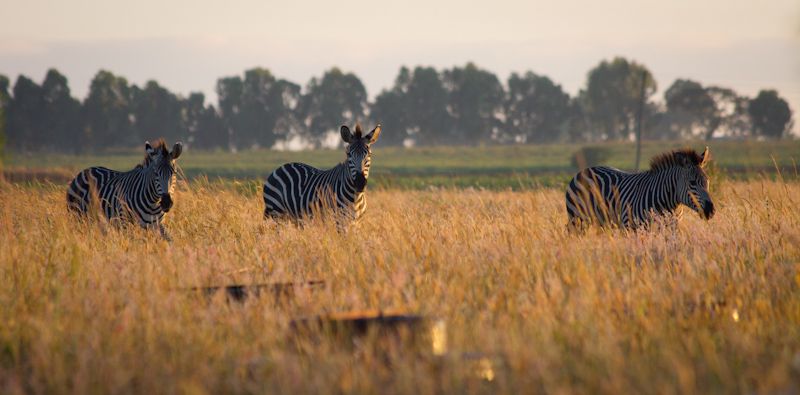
{"x": 613, "y": 197}
{"x": 297, "y": 190}
{"x": 141, "y": 195}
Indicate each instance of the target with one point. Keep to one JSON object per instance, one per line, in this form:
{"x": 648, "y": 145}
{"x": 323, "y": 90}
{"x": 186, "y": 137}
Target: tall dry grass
{"x": 709, "y": 307}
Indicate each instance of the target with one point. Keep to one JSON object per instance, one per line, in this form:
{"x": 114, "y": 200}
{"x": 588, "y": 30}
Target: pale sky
{"x": 186, "y": 45}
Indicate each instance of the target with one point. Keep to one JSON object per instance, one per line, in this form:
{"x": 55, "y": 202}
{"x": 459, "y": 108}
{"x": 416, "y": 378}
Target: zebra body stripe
{"x": 298, "y": 190}
{"x": 605, "y": 195}
{"x": 125, "y": 195}
{"x": 142, "y": 195}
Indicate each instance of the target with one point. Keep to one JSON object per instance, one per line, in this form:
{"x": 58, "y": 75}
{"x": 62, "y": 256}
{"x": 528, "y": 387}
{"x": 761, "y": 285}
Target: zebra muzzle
{"x": 166, "y": 202}
{"x": 360, "y": 182}
{"x": 708, "y": 210}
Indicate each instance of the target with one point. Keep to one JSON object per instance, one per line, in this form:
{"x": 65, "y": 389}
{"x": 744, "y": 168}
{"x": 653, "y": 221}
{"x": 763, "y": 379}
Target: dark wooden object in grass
{"x": 410, "y": 330}
{"x": 240, "y": 293}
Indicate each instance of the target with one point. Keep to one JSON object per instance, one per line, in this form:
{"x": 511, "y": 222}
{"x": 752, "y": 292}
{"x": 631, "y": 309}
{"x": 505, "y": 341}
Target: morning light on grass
{"x": 518, "y": 304}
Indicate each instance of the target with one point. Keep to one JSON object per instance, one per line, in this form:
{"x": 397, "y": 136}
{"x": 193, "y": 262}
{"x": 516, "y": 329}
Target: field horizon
{"x": 494, "y": 167}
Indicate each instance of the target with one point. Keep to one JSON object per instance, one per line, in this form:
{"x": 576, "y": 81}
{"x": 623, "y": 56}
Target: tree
{"x": 475, "y": 98}
{"x": 692, "y": 107}
{"x": 698, "y": 111}
{"x": 415, "y": 108}
{"x": 205, "y": 128}
{"x": 61, "y": 115}
{"x": 107, "y": 113}
{"x": 5, "y": 96}
{"x": 5, "y": 100}
{"x": 156, "y": 113}
{"x": 258, "y": 110}
{"x": 229, "y": 96}
{"x": 26, "y": 115}
{"x": 536, "y": 109}
{"x": 770, "y": 114}
{"x": 391, "y": 107}
{"x": 733, "y": 109}
{"x": 268, "y": 108}
{"x": 336, "y": 99}
{"x": 428, "y": 103}
{"x": 612, "y": 95}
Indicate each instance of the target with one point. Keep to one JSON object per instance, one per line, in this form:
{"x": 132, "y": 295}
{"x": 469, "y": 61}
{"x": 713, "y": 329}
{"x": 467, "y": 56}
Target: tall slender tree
{"x": 229, "y": 95}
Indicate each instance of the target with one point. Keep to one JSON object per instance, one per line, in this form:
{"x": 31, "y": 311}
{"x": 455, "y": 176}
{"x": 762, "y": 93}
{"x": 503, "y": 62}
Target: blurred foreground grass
{"x": 711, "y": 307}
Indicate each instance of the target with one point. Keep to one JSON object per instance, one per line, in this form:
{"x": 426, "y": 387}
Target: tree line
{"x": 425, "y": 107}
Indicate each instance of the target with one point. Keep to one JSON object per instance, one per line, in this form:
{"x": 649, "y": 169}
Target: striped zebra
{"x": 143, "y": 194}
{"x": 604, "y": 195}
{"x": 297, "y": 190}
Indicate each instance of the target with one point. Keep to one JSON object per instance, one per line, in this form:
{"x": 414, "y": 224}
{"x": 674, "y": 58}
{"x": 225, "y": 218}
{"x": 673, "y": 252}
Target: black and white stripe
{"x": 142, "y": 195}
{"x": 604, "y": 195}
{"x": 297, "y": 190}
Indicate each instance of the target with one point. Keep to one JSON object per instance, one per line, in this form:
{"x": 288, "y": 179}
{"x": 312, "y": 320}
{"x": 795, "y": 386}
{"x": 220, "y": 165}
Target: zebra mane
{"x": 159, "y": 147}
{"x": 666, "y": 160}
{"x": 358, "y": 131}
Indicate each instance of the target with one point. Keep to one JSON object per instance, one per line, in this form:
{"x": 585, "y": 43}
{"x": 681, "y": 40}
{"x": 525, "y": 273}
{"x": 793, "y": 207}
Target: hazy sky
{"x": 186, "y": 45}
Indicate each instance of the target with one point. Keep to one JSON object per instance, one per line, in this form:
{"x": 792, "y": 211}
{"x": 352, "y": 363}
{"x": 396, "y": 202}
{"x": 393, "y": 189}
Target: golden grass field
{"x": 710, "y": 307}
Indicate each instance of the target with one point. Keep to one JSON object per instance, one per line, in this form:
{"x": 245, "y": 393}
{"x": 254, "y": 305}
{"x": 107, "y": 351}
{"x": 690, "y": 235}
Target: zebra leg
{"x": 81, "y": 191}
{"x": 275, "y": 216}
{"x": 271, "y": 214}
{"x": 576, "y": 225}
{"x": 157, "y": 229}
{"x": 164, "y": 233}
{"x": 272, "y": 218}
{"x": 344, "y": 223}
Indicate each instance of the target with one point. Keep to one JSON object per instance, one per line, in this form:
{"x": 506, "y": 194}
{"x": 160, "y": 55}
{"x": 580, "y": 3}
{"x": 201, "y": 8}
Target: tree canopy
{"x": 463, "y": 105}
{"x": 612, "y": 96}
{"x": 536, "y": 110}
{"x": 334, "y": 99}
{"x": 771, "y": 114}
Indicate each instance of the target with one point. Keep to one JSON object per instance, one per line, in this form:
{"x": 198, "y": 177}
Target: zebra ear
{"x": 148, "y": 149}
{"x": 681, "y": 160}
{"x": 373, "y": 135}
{"x": 176, "y": 151}
{"x": 346, "y": 135}
{"x": 704, "y": 158}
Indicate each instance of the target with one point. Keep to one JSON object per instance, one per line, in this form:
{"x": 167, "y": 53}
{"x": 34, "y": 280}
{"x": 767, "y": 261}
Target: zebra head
{"x": 693, "y": 182}
{"x": 358, "y": 153}
{"x": 161, "y": 162}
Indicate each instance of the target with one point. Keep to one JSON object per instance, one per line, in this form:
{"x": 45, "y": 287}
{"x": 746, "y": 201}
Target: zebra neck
{"x": 352, "y": 185}
{"x": 664, "y": 183}
{"x": 151, "y": 197}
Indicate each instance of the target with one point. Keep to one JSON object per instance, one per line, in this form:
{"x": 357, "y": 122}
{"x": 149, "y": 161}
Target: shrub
{"x": 590, "y": 156}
